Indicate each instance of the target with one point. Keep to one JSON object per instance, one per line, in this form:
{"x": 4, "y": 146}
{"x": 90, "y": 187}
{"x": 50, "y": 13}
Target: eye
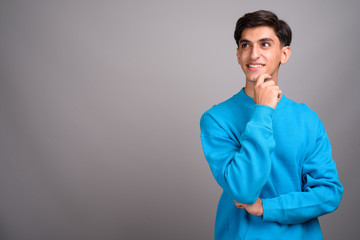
{"x": 244, "y": 45}
{"x": 265, "y": 44}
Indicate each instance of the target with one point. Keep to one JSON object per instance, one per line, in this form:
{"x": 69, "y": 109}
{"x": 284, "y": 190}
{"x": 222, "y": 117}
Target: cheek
{"x": 242, "y": 60}
{"x": 274, "y": 60}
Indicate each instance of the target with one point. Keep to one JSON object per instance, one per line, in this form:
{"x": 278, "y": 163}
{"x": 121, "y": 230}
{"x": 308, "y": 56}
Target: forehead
{"x": 257, "y": 33}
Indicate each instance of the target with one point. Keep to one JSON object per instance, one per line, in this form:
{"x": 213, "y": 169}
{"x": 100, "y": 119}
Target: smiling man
{"x": 270, "y": 155}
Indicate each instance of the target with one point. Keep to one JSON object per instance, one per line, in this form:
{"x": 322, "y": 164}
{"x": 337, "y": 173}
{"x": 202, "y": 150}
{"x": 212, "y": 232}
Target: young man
{"x": 270, "y": 155}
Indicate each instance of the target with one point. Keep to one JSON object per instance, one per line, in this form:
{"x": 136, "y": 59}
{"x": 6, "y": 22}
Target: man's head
{"x": 263, "y": 44}
{"x": 264, "y": 18}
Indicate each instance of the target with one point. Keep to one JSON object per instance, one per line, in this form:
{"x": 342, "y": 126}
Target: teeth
{"x": 255, "y": 66}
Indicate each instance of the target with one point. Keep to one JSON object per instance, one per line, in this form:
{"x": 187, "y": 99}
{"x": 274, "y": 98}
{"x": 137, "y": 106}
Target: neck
{"x": 249, "y": 89}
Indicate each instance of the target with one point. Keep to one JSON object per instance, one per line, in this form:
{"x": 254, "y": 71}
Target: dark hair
{"x": 264, "y": 18}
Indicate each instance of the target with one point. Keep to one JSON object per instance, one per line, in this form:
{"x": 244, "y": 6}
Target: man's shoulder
{"x": 300, "y": 109}
{"x": 221, "y": 114}
{"x": 224, "y": 108}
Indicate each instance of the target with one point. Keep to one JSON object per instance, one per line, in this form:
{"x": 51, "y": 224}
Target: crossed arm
{"x": 243, "y": 171}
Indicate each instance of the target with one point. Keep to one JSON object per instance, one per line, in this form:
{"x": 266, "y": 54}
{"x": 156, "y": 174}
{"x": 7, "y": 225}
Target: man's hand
{"x": 256, "y": 209}
{"x": 267, "y": 93}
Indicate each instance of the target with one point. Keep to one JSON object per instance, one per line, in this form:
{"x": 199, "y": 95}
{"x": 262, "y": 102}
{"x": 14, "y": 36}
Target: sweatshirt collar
{"x": 249, "y": 101}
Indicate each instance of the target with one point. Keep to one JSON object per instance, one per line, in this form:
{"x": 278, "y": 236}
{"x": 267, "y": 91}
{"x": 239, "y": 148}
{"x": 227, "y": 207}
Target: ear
{"x": 238, "y": 55}
{"x": 285, "y": 54}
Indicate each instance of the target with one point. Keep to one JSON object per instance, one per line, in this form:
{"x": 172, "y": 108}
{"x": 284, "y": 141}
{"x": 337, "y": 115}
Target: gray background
{"x": 100, "y": 104}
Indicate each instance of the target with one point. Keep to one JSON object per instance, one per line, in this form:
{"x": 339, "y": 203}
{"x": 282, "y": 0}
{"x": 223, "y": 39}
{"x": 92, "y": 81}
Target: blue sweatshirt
{"x": 282, "y": 156}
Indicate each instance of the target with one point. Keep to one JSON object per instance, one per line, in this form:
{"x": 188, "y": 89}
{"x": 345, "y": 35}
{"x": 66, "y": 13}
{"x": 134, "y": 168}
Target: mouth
{"x": 255, "y": 66}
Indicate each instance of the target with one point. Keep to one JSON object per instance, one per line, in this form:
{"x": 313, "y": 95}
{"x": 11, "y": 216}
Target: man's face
{"x": 260, "y": 52}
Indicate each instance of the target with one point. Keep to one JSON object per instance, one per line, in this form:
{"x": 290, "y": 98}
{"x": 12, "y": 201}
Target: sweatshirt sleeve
{"x": 241, "y": 170}
{"x": 321, "y": 189}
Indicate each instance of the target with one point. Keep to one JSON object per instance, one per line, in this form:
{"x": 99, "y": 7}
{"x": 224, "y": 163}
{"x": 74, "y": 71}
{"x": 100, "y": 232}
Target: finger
{"x": 268, "y": 83}
{"x": 277, "y": 91}
{"x": 274, "y": 88}
{"x": 262, "y": 78}
{"x": 238, "y": 205}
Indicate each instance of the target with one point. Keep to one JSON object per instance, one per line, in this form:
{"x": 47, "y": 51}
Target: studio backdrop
{"x": 100, "y": 103}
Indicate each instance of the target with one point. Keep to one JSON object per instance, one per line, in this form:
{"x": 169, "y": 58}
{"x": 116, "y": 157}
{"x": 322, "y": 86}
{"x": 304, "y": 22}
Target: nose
{"x": 255, "y": 52}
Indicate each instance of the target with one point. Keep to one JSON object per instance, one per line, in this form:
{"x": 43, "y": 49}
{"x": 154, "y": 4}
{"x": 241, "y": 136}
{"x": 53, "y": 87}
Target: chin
{"x": 252, "y": 79}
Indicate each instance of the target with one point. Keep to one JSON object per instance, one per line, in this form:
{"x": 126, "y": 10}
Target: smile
{"x": 255, "y": 66}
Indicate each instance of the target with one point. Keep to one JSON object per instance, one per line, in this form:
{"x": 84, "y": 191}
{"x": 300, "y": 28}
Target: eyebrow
{"x": 261, "y": 40}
